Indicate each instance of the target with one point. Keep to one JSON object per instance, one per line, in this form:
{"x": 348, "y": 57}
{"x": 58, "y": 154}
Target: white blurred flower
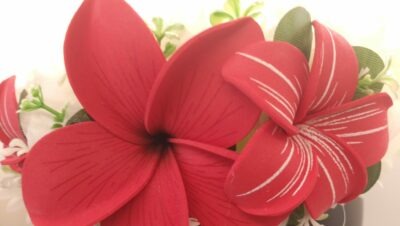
{"x": 11, "y": 196}
{"x": 193, "y": 222}
{"x": 16, "y": 146}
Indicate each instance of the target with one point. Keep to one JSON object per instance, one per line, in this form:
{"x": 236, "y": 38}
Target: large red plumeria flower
{"x": 318, "y": 143}
{"x": 10, "y": 128}
{"x": 155, "y": 154}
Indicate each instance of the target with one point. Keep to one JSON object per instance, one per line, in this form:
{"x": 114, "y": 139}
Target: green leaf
{"x": 159, "y": 26}
{"x": 239, "y": 147}
{"x": 169, "y": 49}
{"x": 295, "y": 28}
{"x": 253, "y": 8}
{"x": 367, "y": 58}
{"x": 233, "y": 7}
{"x": 56, "y": 126}
{"x": 255, "y": 15}
{"x": 296, "y": 215}
{"x": 374, "y": 173}
{"x": 80, "y": 116}
{"x": 220, "y": 17}
{"x": 175, "y": 28}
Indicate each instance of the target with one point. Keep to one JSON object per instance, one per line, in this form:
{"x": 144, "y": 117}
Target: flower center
{"x": 160, "y": 141}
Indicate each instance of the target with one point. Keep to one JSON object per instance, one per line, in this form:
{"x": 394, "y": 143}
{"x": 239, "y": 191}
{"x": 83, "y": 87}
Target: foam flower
{"x": 155, "y": 152}
{"x": 318, "y": 143}
{"x": 11, "y": 135}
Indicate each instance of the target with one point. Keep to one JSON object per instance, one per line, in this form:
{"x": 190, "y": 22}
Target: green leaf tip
{"x": 233, "y": 10}
{"x": 295, "y": 28}
{"x": 374, "y": 172}
{"x": 166, "y": 35}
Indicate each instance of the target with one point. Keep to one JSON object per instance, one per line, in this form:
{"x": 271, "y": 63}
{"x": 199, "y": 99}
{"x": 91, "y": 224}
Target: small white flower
{"x": 307, "y": 220}
{"x": 16, "y": 146}
{"x": 193, "y": 222}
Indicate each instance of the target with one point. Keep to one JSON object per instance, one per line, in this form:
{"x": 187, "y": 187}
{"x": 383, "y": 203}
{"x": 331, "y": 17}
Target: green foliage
{"x": 233, "y": 10}
{"x": 167, "y": 36}
{"x": 374, "y": 172}
{"x": 369, "y": 59}
{"x": 37, "y": 102}
{"x": 295, "y": 28}
{"x": 296, "y": 215}
{"x": 373, "y": 74}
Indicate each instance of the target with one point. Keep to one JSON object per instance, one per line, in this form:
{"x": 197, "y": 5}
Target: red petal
{"x": 190, "y": 99}
{"x": 334, "y": 73}
{"x": 112, "y": 60}
{"x": 362, "y": 124}
{"x": 273, "y": 75}
{"x": 9, "y": 119}
{"x": 274, "y": 174}
{"x": 204, "y": 169}
{"x": 162, "y": 202}
{"x": 342, "y": 176}
{"x": 81, "y": 174}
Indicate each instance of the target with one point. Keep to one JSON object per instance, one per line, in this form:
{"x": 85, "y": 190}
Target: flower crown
{"x": 231, "y": 129}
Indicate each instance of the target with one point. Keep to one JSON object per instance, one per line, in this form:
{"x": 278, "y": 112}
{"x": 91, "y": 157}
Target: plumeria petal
{"x": 112, "y": 60}
{"x": 362, "y": 124}
{"x": 161, "y": 203}
{"x": 9, "y": 120}
{"x": 191, "y": 100}
{"x": 204, "y": 169}
{"x": 273, "y": 75}
{"x": 334, "y": 73}
{"x": 72, "y": 175}
{"x": 342, "y": 175}
{"x": 274, "y": 174}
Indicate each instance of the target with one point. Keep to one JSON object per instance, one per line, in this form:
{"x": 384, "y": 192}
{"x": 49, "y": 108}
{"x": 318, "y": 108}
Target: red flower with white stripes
{"x": 318, "y": 143}
{"x": 11, "y": 134}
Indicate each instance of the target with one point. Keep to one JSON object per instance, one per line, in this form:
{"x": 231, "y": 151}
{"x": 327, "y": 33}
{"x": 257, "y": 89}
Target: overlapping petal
{"x": 112, "y": 60}
{"x": 72, "y": 175}
{"x": 204, "y": 169}
{"x": 9, "y": 120}
{"x": 342, "y": 175}
{"x": 273, "y": 75}
{"x": 162, "y": 202}
{"x": 190, "y": 99}
{"x": 361, "y": 124}
{"x": 334, "y": 73}
{"x": 274, "y": 174}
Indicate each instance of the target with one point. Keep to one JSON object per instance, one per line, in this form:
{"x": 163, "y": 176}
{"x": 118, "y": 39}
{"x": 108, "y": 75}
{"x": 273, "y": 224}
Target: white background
{"x": 32, "y": 32}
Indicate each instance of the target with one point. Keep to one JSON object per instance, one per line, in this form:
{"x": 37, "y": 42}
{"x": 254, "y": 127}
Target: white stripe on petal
{"x": 362, "y": 133}
{"x": 317, "y": 120}
{"x": 328, "y": 176}
{"x": 279, "y": 111}
{"x": 273, "y": 177}
{"x": 275, "y": 94}
{"x": 332, "y": 73}
{"x": 273, "y": 69}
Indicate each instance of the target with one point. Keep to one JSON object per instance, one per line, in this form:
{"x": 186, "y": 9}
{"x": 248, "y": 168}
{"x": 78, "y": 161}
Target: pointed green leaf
{"x": 220, "y": 17}
{"x": 159, "y": 24}
{"x": 175, "y": 28}
{"x": 253, "y": 8}
{"x": 374, "y": 173}
{"x": 56, "y": 126}
{"x": 169, "y": 49}
{"x": 233, "y": 7}
{"x": 295, "y": 28}
{"x": 367, "y": 58}
{"x": 255, "y": 15}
